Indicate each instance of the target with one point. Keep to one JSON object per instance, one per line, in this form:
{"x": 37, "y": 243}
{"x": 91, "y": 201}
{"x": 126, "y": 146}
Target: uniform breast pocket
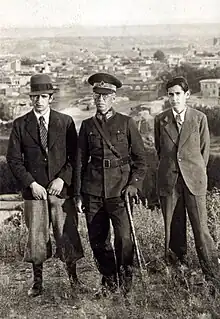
{"x": 94, "y": 140}
{"x": 119, "y": 136}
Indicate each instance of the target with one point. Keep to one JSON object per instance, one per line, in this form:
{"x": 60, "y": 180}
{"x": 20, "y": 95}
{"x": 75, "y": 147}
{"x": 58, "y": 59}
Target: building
{"x": 145, "y": 72}
{"x": 5, "y": 89}
{"x": 210, "y": 88}
{"x": 175, "y": 60}
{"x": 16, "y": 66}
{"x": 210, "y": 62}
{"x": 194, "y": 61}
{"x": 137, "y": 89}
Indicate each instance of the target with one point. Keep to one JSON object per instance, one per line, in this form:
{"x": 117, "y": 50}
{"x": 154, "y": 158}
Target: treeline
{"x": 213, "y": 116}
{"x": 192, "y": 74}
{"x": 4, "y": 106}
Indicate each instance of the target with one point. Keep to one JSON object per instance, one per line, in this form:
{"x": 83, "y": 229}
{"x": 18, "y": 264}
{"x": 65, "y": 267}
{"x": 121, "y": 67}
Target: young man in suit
{"x": 108, "y": 173}
{"x": 41, "y": 155}
{"x": 182, "y": 143}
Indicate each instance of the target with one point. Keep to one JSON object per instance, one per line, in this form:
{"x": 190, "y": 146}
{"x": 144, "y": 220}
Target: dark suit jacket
{"x": 29, "y": 162}
{"x": 109, "y": 182}
{"x": 187, "y": 153}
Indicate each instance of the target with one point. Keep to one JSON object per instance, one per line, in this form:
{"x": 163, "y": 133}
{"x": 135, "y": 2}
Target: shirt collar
{"x": 182, "y": 114}
{"x": 46, "y": 115}
{"x": 107, "y": 115}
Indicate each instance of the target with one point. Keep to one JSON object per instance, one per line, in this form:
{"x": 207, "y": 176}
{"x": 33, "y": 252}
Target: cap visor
{"x": 102, "y": 90}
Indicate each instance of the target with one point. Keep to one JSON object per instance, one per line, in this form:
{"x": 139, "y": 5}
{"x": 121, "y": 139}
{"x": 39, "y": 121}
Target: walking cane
{"x": 136, "y": 246}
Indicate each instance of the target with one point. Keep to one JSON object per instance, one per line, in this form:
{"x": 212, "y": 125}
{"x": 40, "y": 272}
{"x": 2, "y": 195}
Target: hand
{"x": 132, "y": 193}
{"x": 38, "y": 191}
{"x": 79, "y": 204}
{"x": 55, "y": 187}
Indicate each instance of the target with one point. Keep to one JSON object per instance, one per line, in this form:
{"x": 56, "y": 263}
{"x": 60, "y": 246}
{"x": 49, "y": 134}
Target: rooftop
{"x": 210, "y": 80}
{"x": 211, "y": 58}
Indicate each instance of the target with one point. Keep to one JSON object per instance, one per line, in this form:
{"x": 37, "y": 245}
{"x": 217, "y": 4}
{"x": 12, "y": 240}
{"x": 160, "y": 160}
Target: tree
{"x": 191, "y": 73}
{"x": 4, "y": 109}
{"x": 28, "y": 61}
{"x": 159, "y": 55}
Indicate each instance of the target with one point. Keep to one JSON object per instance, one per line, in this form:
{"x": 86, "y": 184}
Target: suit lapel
{"x": 32, "y": 127}
{"x": 170, "y": 127}
{"x": 187, "y": 128}
{"x": 54, "y": 128}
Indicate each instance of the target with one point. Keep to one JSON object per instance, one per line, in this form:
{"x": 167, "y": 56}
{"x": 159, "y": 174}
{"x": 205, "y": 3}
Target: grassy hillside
{"x": 167, "y": 293}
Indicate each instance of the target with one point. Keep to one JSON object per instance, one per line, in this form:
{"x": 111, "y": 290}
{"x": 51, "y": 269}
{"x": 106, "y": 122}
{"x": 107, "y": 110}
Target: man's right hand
{"x": 38, "y": 191}
{"x": 79, "y": 204}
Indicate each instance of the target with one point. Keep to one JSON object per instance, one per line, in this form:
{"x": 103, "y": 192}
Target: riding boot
{"x": 36, "y": 288}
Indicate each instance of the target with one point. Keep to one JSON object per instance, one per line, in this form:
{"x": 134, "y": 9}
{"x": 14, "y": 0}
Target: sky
{"x": 19, "y": 13}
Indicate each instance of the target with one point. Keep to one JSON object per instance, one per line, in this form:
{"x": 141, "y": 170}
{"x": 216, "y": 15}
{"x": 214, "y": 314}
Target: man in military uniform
{"x": 42, "y": 155}
{"x": 107, "y": 172}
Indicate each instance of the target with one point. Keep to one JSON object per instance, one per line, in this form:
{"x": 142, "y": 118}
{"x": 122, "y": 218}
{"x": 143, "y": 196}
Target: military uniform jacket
{"x": 94, "y": 179}
{"x": 186, "y": 153}
{"x": 29, "y": 162}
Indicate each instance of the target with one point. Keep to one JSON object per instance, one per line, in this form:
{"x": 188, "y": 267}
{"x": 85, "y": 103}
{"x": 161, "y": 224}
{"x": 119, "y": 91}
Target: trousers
{"x": 178, "y": 238}
{"x": 61, "y": 214}
{"x": 196, "y": 209}
{"x": 99, "y": 212}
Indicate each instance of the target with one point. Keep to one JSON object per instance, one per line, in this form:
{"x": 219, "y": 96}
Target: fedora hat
{"x": 41, "y": 84}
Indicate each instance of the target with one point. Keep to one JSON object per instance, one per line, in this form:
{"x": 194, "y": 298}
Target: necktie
{"x": 101, "y": 117}
{"x": 179, "y": 122}
{"x": 104, "y": 117}
{"x": 43, "y": 132}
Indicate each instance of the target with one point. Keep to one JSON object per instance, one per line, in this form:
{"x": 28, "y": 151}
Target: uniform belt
{"x": 109, "y": 163}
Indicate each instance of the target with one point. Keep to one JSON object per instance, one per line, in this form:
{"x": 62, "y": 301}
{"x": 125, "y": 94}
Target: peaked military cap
{"x": 104, "y": 83}
{"x": 41, "y": 84}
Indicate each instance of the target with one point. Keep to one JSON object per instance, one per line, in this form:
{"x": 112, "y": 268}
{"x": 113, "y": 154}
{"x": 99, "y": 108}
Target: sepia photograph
{"x": 109, "y": 159}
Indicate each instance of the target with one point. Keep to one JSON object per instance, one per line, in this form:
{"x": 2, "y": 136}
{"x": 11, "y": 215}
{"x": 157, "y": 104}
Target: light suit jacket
{"x": 187, "y": 152}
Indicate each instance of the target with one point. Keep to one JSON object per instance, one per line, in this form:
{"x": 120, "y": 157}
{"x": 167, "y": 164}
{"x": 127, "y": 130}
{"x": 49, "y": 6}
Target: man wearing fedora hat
{"x": 41, "y": 155}
{"x": 107, "y": 170}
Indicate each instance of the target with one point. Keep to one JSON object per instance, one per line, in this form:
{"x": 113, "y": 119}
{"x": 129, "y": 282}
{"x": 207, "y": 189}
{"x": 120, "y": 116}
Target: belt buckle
{"x": 106, "y": 163}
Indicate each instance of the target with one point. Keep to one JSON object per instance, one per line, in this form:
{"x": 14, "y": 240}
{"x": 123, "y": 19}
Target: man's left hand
{"x": 131, "y": 191}
{"x": 55, "y": 187}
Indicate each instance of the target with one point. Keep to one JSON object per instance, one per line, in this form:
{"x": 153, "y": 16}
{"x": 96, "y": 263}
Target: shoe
{"x": 110, "y": 283}
{"x": 184, "y": 262}
{"x": 177, "y": 261}
{"x": 171, "y": 258}
{"x": 102, "y": 292}
{"x": 35, "y": 290}
{"x": 108, "y": 287}
{"x": 106, "y": 292}
{"x": 125, "y": 279}
{"x": 127, "y": 285}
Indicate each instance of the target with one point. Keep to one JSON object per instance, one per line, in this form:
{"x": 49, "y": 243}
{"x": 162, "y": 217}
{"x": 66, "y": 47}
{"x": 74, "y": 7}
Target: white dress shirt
{"x": 46, "y": 116}
{"x": 181, "y": 114}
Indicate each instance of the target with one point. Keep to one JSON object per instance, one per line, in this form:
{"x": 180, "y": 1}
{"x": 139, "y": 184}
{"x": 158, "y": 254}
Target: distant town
{"x": 142, "y": 76}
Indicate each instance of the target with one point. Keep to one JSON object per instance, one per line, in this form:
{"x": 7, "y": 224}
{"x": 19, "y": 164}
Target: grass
{"x": 215, "y": 145}
{"x": 166, "y": 293}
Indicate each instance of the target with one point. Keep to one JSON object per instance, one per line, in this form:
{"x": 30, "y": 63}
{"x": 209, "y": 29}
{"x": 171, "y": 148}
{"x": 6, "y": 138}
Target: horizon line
{"x": 105, "y": 26}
